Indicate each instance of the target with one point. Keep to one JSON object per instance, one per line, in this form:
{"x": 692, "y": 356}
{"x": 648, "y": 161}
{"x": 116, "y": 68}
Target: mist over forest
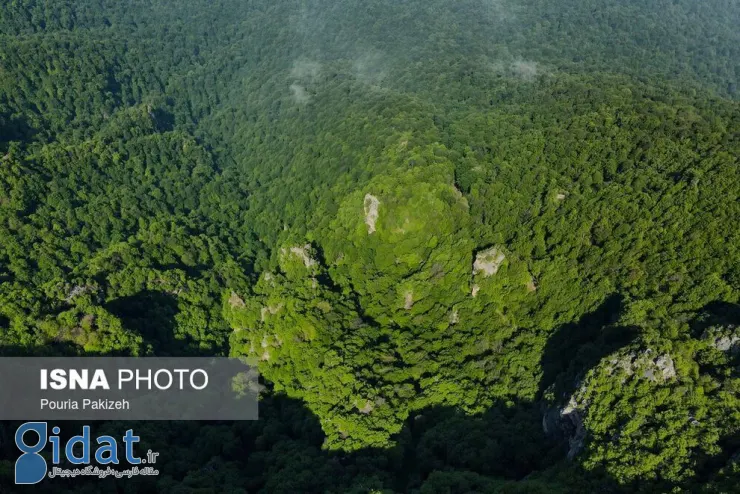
{"x": 475, "y": 246}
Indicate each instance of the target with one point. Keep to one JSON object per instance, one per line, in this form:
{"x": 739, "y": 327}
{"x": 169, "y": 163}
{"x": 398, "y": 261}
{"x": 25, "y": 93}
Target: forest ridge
{"x": 475, "y": 246}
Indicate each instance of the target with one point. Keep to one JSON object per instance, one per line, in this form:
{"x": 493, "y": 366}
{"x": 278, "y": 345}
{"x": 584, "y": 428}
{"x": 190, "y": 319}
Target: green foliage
{"x": 417, "y": 216}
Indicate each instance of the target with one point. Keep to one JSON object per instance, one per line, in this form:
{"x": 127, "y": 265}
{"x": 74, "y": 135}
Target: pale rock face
{"x": 408, "y": 300}
{"x": 727, "y": 343}
{"x": 725, "y": 339}
{"x": 567, "y": 421}
{"x": 303, "y": 254}
{"x": 78, "y": 291}
{"x": 265, "y": 348}
{"x": 269, "y": 278}
{"x": 656, "y": 369}
{"x": 664, "y": 365}
{"x": 488, "y": 261}
{"x": 573, "y": 414}
{"x": 235, "y": 301}
{"x": 454, "y": 317}
{"x": 372, "y": 207}
{"x": 474, "y": 291}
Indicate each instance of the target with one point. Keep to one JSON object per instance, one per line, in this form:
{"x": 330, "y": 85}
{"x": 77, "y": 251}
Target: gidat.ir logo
{"x": 31, "y": 467}
{"x": 78, "y": 451}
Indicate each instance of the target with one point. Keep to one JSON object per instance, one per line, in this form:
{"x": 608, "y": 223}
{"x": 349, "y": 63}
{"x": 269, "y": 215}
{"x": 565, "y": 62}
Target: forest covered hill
{"x": 476, "y": 246}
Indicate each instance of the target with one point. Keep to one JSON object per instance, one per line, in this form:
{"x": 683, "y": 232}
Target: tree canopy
{"x": 475, "y": 246}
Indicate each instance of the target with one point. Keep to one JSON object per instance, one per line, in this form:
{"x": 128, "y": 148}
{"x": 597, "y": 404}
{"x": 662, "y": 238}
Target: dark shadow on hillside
{"x": 196, "y": 271}
{"x": 576, "y": 347}
{"x": 716, "y": 313}
{"x": 164, "y": 120}
{"x": 720, "y": 315}
{"x": 14, "y": 128}
{"x": 439, "y": 451}
{"x": 507, "y": 441}
{"x": 152, "y": 314}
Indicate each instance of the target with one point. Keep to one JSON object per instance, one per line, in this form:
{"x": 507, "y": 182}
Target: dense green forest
{"x": 476, "y": 246}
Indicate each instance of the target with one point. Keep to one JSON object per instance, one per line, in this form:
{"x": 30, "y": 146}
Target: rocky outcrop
{"x": 454, "y": 317}
{"x": 572, "y": 417}
{"x": 661, "y": 370}
{"x": 372, "y": 208}
{"x": 408, "y": 300}
{"x": 265, "y": 349}
{"x": 80, "y": 290}
{"x": 724, "y": 339}
{"x": 728, "y": 344}
{"x": 236, "y": 302}
{"x": 567, "y": 422}
{"x": 656, "y": 369}
{"x": 488, "y": 261}
{"x": 303, "y": 253}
